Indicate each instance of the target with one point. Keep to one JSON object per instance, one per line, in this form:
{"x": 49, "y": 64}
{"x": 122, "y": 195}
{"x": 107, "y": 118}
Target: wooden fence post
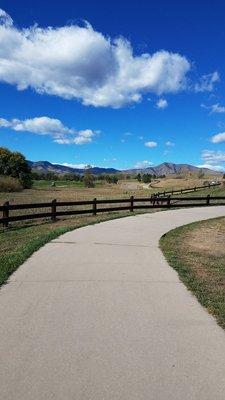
{"x": 53, "y": 211}
{"x": 195, "y": 189}
{"x": 208, "y": 199}
{"x": 94, "y": 206}
{"x": 131, "y": 203}
{"x": 168, "y": 201}
{"x": 6, "y": 213}
{"x": 172, "y": 192}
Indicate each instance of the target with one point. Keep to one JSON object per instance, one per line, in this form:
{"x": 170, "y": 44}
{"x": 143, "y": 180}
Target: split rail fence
{"x": 60, "y": 208}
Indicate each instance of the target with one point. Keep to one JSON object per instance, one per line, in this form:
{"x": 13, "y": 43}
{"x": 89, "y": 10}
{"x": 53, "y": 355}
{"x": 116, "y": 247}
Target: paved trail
{"x": 98, "y": 314}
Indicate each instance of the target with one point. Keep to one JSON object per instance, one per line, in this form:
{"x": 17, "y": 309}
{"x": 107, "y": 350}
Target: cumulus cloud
{"x": 207, "y": 82}
{"x": 213, "y": 157}
{"x": 50, "y": 126}
{"x": 77, "y": 62}
{"x": 218, "y": 138}
{"x": 150, "y": 144}
{"x": 162, "y": 103}
{"x": 143, "y": 164}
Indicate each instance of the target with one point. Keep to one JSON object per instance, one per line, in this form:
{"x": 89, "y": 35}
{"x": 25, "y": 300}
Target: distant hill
{"x": 171, "y": 168}
{"x": 161, "y": 169}
{"x": 46, "y": 166}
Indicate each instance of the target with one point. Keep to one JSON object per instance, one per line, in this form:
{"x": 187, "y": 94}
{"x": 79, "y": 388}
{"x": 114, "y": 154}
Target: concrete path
{"x": 98, "y": 314}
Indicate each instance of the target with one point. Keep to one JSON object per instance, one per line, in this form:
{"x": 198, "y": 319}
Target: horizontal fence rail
{"x": 97, "y": 206}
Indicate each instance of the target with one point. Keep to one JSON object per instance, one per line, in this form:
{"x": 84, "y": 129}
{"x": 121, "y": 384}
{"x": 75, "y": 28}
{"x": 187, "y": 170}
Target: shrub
{"x": 9, "y": 184}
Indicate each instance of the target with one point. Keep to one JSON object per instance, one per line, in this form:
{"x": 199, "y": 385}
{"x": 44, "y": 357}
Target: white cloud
{"x": 213, "y": 157}
{"x": 218, "y": 138}
{"x": 77, "y": 166}
{"x": 53, "y": 127}
{"x": 77, "y": 62}
{"x": 162, "y": 103}
{"x": 143, "y": 164}
{"x": 207, "y": 82}
{"x": 150, "y": 144}
{"x": 214, "y": 108}
{"x": 5, "y": 19}
{"x": 217, "y": 168}
{"x": 169, "y": 144}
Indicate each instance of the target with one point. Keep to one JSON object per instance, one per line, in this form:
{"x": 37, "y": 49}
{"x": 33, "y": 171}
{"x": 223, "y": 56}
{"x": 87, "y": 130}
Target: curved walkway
{"x": 98, "y": 314}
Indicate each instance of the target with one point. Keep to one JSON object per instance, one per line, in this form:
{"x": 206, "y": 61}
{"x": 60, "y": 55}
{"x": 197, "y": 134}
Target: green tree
{"x": 138, "y": 177}
{"x": 146, "y": 178}
{"x": 15, "y": 165}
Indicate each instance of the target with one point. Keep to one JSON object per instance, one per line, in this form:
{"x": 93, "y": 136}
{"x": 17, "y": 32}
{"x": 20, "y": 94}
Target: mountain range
{"x": 161, "y": 169}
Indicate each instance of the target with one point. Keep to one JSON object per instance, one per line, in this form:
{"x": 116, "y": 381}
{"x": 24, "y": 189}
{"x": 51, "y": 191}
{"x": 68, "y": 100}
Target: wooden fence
{"x": 98, "y": 206}
{"x": 188, "y": 190}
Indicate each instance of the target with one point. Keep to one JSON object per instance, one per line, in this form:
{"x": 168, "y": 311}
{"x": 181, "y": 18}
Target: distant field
{"x": 42, "y": 191}
{"x": 171, "y": 182}
{"x": 67, "y": 190}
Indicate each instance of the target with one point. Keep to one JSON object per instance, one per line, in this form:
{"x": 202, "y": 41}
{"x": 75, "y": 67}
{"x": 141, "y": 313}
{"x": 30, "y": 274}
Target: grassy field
{"x": 197, "y": 253}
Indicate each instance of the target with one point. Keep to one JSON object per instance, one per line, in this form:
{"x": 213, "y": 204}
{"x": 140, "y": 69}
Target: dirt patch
{"x": 208, "y": 238}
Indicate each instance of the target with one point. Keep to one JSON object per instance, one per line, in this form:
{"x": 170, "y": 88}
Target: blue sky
{"x": 137, "y": 84}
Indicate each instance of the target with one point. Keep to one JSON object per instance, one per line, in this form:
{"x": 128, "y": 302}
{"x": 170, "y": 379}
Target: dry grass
{"x": 173, "y": 182}
{"x": 73, "y": 193}
{"x": 197, "y": 252}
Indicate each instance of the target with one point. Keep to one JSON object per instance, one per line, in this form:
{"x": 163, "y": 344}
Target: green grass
{"x": 196, "y": 252}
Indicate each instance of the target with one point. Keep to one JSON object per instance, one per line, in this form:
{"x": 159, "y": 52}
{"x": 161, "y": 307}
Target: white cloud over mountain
{"x": 143, "y": 164}
{"x": 77, "y": 62}
{"x": 217, "y": 168}
{"x": 213, "y": 157}
{"x": 50, "y": 126}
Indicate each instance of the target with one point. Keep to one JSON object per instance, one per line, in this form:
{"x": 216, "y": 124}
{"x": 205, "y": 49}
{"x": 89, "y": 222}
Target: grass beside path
{"x": 197, "y": 252}
{"x": 18, "y": 243}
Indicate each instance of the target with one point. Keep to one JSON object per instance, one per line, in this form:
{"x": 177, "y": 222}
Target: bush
{"x": 9, "y": 184}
